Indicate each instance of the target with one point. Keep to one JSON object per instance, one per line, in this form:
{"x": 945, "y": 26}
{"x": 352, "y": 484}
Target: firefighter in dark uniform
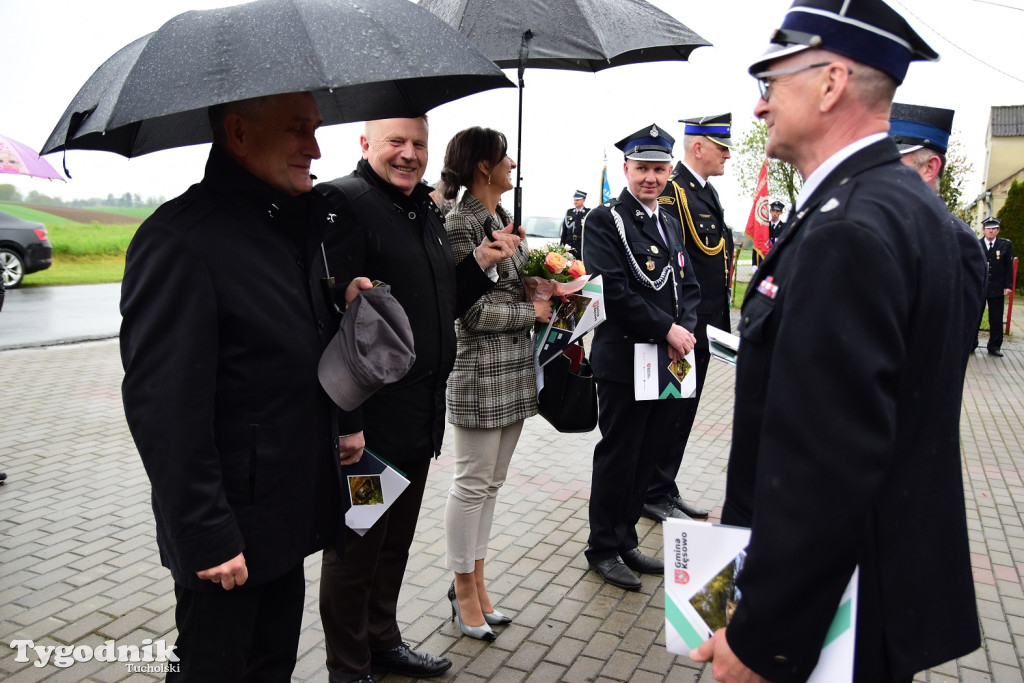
{"x": 922, "y": 135}
{"x": 999, "y": 254}
{"x": 651, "y": 296}
{"x": 776, "y": 223}
{"x": 572, "y": 226}
{"x": 845, "y": 448}
{"x": 691, "y": 200}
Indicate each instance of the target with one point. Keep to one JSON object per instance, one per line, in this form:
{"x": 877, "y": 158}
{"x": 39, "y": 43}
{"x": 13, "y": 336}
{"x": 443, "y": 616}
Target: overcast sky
{"x": 571, "y": 119}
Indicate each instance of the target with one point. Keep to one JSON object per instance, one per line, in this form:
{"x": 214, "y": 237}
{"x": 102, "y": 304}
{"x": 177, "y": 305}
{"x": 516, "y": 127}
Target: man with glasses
{"x": 845, "y": 450}
{"x": 689, "y": 198}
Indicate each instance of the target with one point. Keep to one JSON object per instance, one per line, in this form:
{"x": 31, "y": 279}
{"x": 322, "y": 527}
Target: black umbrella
{"x": 362, "y": 59}
{"x": 577, "y": 35}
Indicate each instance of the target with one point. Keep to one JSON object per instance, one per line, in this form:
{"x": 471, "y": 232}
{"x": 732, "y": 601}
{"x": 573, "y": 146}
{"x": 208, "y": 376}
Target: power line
{"x": 977, "y": 59}
{"x": 997, "y": 4}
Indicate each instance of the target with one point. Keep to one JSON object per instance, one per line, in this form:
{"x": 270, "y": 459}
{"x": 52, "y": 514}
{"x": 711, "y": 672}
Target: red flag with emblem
{"x": 757, "y": 224}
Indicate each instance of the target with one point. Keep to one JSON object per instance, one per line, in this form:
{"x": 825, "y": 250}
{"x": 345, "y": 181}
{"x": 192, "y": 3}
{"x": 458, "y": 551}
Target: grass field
{"x": 27, "y": 214}
{"x": 71, "y": 270}
{"x": 81, "y": 240}
{"x": 140, "y": 212}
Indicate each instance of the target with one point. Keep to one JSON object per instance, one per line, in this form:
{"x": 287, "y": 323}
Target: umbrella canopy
{"x": 577, "y": 35}
{"x": 362, "y": 59}
{"x": 23, "y": 160}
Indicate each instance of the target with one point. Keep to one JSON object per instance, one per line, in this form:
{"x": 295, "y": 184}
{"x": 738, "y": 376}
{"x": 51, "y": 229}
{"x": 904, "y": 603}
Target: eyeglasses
{"x": 764, "y": 79}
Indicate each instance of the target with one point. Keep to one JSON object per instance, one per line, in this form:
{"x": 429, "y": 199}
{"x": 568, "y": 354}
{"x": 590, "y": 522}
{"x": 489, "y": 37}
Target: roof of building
{"x": 1008, "y": 121}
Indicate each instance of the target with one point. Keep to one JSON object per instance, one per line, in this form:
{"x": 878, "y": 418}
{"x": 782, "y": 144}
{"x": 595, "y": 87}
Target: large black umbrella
{"x": 578, "y": 35}
{"x": 362, "y": 59}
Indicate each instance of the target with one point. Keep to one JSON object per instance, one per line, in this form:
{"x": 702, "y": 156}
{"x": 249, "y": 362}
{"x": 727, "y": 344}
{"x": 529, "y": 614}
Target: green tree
{"x": 9, "y": 193}
{"x": 954, "y": 176}
{"x": 783, "y": 179}
{"x": 1011, "y": 219}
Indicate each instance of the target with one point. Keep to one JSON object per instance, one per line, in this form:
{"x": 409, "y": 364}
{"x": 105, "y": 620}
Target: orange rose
{"x": 555, "y": 262}
{"x": 576, "y": 269}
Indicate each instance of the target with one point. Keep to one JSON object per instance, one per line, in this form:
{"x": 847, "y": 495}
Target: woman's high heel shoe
{"x": 496, "y": 618}
{"x": 482, "y": 632}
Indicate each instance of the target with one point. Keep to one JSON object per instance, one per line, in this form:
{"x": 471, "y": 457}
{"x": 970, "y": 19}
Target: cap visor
{"x": 772, "y": 53}
{"x": 649, "y": 155}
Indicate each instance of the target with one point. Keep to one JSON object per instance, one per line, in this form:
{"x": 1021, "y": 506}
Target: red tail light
{"x": 41, "y": 234}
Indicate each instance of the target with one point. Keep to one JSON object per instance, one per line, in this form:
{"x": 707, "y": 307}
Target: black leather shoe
{"x": 645, "y": 564}
{"x": 613, "y": 571}
{"x": 660, "y": 511}
{"x": 995, "y": 352}
{"x": 691, "y": 511}
{"x": 405, "y": 661}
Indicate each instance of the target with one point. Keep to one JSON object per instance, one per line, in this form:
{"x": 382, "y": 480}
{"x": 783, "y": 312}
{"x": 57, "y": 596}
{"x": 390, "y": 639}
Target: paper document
{"x": 372, "y": 485}
{"x": 656, "y": 377}
{"x": 570, "y": 320}
{"x": 702, "y": 562}
{"x": 722, "y": 345}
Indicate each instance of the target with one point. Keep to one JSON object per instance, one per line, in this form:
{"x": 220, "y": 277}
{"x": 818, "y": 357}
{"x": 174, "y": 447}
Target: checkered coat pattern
{"x": 493, "y": 382}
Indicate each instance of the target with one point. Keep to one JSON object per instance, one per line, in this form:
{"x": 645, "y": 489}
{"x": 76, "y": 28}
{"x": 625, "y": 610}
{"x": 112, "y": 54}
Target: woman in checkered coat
{"x": 492, "y": 388}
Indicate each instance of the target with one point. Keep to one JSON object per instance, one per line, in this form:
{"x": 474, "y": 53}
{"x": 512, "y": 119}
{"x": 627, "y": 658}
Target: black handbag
{"x": 569, "y": 397}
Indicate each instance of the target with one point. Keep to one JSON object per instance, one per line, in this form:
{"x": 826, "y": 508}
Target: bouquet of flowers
{"x": 553, "y": 271}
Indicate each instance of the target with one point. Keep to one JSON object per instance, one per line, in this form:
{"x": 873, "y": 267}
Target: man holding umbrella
{"x": 221, "y": 392}
{"x": 390, "y": 229}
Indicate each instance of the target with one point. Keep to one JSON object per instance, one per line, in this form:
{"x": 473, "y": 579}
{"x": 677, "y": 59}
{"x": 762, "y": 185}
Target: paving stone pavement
{"x": 79, "y": 565}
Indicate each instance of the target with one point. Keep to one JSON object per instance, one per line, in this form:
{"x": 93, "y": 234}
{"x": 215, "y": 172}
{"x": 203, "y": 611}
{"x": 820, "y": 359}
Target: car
{"x": 24, "y": 248}
{"x": 542, "y": 230}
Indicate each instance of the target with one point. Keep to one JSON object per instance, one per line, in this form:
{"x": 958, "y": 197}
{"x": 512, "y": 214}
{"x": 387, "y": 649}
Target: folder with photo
{"x": 373, "y": 485}
{"x": 702, "y": 563}
{"x": 723, "y": 345}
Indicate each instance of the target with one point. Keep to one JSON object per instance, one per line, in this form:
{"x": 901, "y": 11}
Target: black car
{"x": 24, "y": 248}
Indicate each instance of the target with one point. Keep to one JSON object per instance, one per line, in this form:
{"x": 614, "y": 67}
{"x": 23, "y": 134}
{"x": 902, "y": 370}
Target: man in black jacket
{"x": 999, "y": 254}
{"x": 845, "y": 451}
{"x": 220, "y": 344}
{"x": 651, "y": 296}
{"x": 389, "y": 229}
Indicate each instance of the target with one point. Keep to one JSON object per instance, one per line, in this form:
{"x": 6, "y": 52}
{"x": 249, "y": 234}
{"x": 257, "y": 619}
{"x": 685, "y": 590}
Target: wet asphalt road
{"x": 40, "y": 316}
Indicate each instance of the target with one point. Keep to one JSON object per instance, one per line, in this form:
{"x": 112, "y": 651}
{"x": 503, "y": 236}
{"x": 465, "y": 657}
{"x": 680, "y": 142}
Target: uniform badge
{"x": 654, "y": 250}
{"x": 650, "y": 264}
{"x": 639, "y": 213}
{"x": 331, "y": 217}
{"x": 768, "y": 288}
{"x": 654, "y": 132}
{"x": 829, "y": 205}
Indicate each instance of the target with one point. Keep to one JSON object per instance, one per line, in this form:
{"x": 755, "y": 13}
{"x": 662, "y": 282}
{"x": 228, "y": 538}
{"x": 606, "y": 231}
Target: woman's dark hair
{"x": 465, "y": 150}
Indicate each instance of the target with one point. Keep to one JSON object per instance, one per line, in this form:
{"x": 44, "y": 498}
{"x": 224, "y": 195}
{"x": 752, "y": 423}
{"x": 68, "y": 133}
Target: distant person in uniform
{"x": 999, "y": 254}
{"x": 651, "y": 296}
{"x": 845, "y": 447}
{"x": 572, "y": 226}
{"x": 774, "y": 228}
{"x": 776, "y": 224}
{"x": 922, "y": 135}
{"x": 691, "y": 200}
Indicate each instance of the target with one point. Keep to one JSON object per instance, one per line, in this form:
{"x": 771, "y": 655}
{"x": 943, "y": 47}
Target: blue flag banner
{"x": 606, "y": 193}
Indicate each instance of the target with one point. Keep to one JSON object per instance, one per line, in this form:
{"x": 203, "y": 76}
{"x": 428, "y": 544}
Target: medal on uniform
{"x": 650, "y": 264}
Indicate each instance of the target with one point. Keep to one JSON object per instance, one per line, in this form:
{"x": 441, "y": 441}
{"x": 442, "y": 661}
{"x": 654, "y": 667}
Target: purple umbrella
{"x": 23, "y": 160}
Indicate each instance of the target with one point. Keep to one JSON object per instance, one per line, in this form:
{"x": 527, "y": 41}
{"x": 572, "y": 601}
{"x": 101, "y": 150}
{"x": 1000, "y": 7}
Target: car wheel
{"x": 14, "y": 268}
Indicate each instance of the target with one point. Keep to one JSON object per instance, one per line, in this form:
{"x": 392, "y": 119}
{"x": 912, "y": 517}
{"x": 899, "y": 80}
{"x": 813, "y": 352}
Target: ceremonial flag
{"x": 757, "y": 224}
{"x": 606, "y": 193}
